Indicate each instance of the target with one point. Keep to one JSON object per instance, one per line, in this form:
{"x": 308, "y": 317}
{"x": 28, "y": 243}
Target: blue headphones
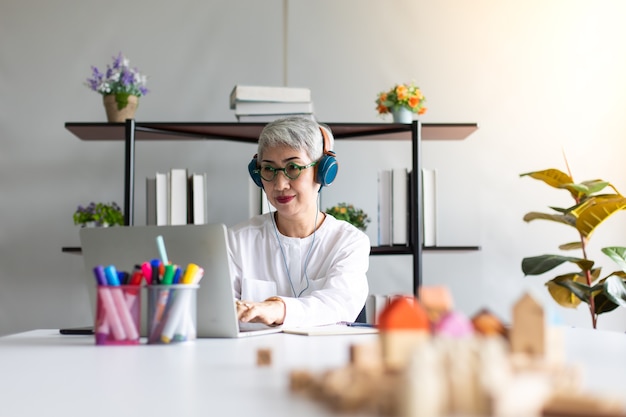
{"x": 326, "y": 168}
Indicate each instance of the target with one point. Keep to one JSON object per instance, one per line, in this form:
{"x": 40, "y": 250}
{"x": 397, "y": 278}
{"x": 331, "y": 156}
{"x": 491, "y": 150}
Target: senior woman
{"x": 297, "y": 266}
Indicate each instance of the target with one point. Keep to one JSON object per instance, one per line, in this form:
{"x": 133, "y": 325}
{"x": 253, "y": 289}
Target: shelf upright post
{"x": 417, "y": 212}
{"x": 129, "y": 173}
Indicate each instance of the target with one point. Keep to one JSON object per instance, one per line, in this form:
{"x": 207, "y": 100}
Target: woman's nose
{"x": 281, "y": 181}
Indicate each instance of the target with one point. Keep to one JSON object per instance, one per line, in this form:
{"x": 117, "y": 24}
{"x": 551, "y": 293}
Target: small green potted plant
{"x": 99, "y": 215}
{"x": 356, "y": 217}
{"x": 592, "y": 205}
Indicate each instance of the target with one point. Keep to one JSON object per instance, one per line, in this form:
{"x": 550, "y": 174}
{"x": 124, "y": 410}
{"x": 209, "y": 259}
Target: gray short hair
{"x": 299, "y": 133}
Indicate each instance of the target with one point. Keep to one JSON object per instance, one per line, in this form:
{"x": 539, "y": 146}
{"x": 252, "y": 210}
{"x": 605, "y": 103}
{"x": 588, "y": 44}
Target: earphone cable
{"x": 308, "y": 255}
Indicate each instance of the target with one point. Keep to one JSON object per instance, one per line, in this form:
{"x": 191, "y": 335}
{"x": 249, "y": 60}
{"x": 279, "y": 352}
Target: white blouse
{"x": 322, "y": 278}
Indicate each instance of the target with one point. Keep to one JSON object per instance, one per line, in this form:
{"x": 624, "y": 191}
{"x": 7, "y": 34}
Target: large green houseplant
{"x": 592, "y": 205}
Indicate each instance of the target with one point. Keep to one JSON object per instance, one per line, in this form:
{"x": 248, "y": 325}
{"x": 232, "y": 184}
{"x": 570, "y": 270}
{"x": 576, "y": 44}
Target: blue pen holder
{"x": 172, "y": 313}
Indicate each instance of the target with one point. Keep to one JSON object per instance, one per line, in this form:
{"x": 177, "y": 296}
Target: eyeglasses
{"x": 291, "y": 171}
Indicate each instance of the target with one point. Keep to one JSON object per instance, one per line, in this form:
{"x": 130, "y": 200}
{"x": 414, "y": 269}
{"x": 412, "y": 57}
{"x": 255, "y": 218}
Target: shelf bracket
{"x": 129, "y": 173}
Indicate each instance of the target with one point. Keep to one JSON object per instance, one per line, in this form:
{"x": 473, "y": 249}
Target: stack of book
{"x": 175, "y": 198}
{"x": 268, "y": 103}
{"x": 393, "y": 206}
{"x": 394, "y": 209}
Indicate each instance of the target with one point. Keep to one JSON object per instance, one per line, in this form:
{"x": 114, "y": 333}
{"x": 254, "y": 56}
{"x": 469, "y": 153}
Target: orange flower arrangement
{"x": 408, "y": 96}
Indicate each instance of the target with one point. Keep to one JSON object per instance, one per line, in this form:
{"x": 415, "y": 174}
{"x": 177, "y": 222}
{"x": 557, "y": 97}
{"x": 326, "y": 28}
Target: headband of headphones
{"x": 326, "y": 168}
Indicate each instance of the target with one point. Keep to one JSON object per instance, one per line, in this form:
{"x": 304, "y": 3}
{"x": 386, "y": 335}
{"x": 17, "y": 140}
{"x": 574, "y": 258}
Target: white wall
{"x": 537, "y": 76}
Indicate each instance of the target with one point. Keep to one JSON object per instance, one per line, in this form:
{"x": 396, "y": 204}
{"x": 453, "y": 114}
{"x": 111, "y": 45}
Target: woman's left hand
{"x": 270, "y": 312}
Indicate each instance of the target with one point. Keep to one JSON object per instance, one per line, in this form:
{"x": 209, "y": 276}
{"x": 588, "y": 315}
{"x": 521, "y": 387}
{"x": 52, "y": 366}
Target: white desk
{"x": 45, "y": 373}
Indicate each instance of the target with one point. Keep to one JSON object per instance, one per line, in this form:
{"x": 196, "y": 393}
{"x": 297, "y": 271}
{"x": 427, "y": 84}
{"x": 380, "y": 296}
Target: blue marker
{"x": 155, "y": 264}
{"x": 177, "y": 275}
{"x": 122, "y": 276}
{"x": 111, "y": 275}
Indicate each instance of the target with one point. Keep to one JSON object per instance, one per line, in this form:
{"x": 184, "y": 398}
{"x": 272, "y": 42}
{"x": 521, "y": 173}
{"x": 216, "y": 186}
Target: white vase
{"x": 402, "y": 115}
{"x": 94, "y": 224}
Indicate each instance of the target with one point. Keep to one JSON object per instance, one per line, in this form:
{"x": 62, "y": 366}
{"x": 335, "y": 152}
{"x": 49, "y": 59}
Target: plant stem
{"x": 583, "y": 243}
{"x": 592, "y": 303}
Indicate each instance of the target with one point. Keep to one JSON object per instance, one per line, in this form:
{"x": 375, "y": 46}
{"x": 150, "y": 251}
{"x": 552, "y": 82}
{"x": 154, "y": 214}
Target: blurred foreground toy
{"x": 411, "y": 371}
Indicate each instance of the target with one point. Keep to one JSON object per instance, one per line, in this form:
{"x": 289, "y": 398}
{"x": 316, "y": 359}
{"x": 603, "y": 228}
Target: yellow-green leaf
{"x": 587, "y": 188}
{"x": 571, "y": 246}
{"x": 537, "y": 265}
{"x": 563, "y": 295}
{"x": 560, "y": 218}
{"x": 553, "y": 177}
{"x": 615, "y": 290}
{"x": 617, "y": 254}
{"x": 595, "y": 210}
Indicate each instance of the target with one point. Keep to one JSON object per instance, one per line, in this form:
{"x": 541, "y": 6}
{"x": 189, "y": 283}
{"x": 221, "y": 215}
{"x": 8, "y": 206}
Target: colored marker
{"x": 162, "y": 252}
{"x": 135, "y": 279}
{"x": 176, "y": 314}
{"x": 120, "y": 304}
{"x": 98, "y": 271}
{"x": 191, "y": 274}
{"x": 177, "y": 275}
{"x": 168, "y": 275}
{"x": 146, "y": 270}
{"x": 109, "y": 304}
{"x": 155, "y": 264}
{"x": 102, "y": 324}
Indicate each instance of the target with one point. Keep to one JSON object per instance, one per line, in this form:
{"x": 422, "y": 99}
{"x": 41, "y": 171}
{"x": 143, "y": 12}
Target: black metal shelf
{"x": 375, "y": 250}
{"x": 132, "y": 131}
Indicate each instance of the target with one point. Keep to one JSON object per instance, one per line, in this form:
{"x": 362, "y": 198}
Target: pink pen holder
{"x": 172, "y": 313}
{"x": 118, "y": 315}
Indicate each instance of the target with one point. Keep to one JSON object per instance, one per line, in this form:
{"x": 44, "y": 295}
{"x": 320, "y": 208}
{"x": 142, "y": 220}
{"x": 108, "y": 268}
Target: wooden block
{"x": 425, "y": 392}
{"x": 436, "y": 300}
{"x": 301, "y": 381}
{"x": 366, "y": 356}
{"x": 487, "y": 324}
{"x": 264, "y": 357}
{"x": 528, "y": 333}
{"x": 398, "y": 346}
{"x": 583, "y": 405}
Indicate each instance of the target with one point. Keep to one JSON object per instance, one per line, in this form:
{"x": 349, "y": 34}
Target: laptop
{"x": 204, "y": 245}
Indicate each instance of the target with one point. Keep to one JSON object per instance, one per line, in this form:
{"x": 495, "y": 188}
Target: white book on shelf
{"x": 162, "y": 198}
{"x": 266, "y": 207}
{"x": 273, "y": 107}
{"x": 258, "y": 202}
{"x": 268, "y": 93}
{"x": 429, "y": 207}
{"x": 151, "y": 201}
{"x": 384, "y": 207}
{"x": 374, "y": 305}
{"x": 178, "y": 196}
{"x": 254, "y": 199}
{"x": 198, "y": 198}
{"x": 266, "y": 118}
{"x": 400, "y": 206}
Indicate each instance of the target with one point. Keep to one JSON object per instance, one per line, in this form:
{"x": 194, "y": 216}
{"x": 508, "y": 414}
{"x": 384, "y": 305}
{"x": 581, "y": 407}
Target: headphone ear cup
{"x": 327, "y": 170}
{"x": 254, "y": 174}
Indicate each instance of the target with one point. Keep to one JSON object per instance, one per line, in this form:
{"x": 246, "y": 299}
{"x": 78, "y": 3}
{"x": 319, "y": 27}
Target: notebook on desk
{"x": 204, "y": 245}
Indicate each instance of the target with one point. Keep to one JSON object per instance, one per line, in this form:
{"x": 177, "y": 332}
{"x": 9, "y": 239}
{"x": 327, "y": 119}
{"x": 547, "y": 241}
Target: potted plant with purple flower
{"x": 99, "y": 215}
{"x": 121, "y": 86}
